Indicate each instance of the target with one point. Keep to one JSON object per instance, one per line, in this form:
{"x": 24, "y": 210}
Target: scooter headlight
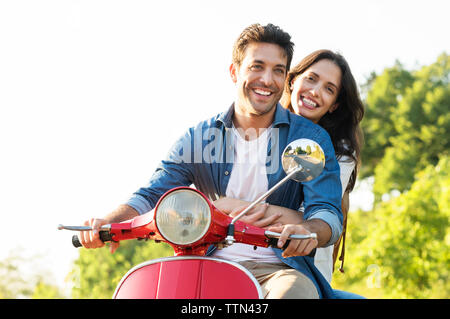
{"x": 183, "y": 216}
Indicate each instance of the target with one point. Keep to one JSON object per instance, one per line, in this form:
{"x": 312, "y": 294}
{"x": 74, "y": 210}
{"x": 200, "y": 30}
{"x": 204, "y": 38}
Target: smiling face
{"x": 260, "y": 78}
{"x": 314, "y": 92}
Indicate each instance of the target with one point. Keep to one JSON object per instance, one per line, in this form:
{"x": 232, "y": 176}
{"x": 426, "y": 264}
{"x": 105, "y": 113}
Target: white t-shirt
{"x": 248, "y": 181}
{"x": 323, "y": 259}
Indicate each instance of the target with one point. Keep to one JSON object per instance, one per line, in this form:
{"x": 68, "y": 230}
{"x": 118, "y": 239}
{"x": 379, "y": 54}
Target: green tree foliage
{"x": 401, "y": 248}
{"x": 407, "y": 124}
{"x": 406, "y": 240}
{"x": 44, "y": 290}
{"x": 97, "y": 272}
{"x": 383, "y": 93}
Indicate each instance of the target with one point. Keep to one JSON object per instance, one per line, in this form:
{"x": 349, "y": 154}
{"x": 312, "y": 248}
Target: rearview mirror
{"x": 304, "y": 156}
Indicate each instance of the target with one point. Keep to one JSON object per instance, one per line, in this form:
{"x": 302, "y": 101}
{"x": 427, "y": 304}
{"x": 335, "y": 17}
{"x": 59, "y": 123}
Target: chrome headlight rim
{"x": 173, "y": 192}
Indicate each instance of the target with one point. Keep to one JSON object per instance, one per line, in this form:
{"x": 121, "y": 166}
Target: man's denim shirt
{"x": 204, "y": 156}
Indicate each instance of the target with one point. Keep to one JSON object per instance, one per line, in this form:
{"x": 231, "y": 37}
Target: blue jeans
{"x": 340, "y": 294}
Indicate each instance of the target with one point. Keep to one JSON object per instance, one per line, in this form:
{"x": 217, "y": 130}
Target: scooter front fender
{"x": 187, "y": 277}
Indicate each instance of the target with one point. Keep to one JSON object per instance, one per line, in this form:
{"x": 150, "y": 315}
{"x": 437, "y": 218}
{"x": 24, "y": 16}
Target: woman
{"x": 321, "y": 88}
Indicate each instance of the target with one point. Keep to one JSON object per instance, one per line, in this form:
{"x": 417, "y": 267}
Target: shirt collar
{"x": 281, "y": 116}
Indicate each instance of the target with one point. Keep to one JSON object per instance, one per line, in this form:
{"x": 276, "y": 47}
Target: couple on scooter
{"x": 249, "y": 136}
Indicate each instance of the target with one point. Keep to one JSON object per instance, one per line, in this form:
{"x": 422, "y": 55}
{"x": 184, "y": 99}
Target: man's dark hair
{"x": 268, "y": 34}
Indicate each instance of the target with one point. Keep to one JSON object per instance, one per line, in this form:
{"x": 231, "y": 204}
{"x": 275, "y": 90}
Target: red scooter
{"x": 185, "y": 219}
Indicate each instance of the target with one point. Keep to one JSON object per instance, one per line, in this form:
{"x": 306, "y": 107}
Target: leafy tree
{"x": 407, "y": 239}
{"x": 407, "y": 124}
{"x": 44, "y": 290}
{"x": 382, "y": 96}
{"x": 402, "y": 244}
{"x": 422, "y": 126}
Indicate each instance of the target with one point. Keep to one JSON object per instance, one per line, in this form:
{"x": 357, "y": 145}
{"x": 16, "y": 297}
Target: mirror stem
{"x": 266, "y": 194}
{"x": 230, "y": 235}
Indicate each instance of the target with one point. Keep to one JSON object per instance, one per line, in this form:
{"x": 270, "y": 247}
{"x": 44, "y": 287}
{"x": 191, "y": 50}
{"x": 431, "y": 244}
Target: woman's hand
{"x": 273, "y": 215}
{"x": 297, "y": 247}
{"x": 257, "y": 216}
{"x": 227, "y": 204}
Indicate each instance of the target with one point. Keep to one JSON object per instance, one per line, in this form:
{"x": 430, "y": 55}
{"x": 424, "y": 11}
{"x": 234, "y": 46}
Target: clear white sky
{"x": 93, "y": 93}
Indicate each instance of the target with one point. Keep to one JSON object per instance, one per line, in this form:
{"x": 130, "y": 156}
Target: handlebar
{"x": 105, "y": 236}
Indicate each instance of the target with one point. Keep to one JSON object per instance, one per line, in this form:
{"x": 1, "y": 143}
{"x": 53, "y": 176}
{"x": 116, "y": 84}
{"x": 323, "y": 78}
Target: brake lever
{"x": 83, "y": 228}
{"x": 271, "y": 234}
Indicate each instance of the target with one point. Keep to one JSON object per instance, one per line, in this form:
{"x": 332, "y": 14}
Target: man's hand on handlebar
{"x": 296, "y": 247}
{"x": 91, "y": 239}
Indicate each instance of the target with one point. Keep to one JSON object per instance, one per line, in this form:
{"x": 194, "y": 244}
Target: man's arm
{"x": 122, "y": 213}
{"x": 321, "y": 228}
{"x": 272, "y": 214}
{"x": 303, "y": 247}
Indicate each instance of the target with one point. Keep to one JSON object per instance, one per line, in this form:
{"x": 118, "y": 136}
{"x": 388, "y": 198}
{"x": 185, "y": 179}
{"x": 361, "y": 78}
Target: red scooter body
{"x": 188, "y": 277}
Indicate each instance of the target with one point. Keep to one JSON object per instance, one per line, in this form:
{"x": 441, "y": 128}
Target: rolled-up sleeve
{"x": 139, "y": 203}
{"x": 332, "y": 220}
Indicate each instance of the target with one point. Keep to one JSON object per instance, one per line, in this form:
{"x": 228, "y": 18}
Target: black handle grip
{"x": 273, "y": 242}
{"x": 75, "y": 241}
{"x": 104, "y": 236}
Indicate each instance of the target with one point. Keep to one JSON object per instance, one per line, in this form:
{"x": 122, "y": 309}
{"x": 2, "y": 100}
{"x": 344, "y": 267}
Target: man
{"x": 212, "y": 156}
